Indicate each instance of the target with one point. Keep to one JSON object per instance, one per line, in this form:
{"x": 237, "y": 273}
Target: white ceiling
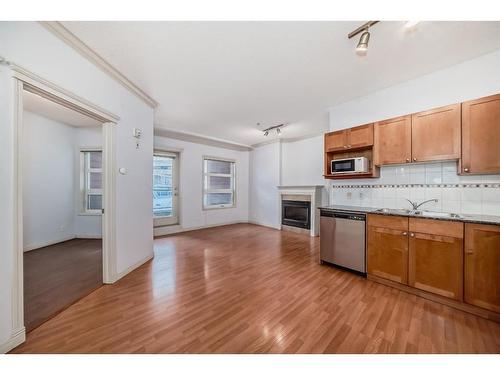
{"x": 47, "y": 108}
{"x": 220, "y": 78}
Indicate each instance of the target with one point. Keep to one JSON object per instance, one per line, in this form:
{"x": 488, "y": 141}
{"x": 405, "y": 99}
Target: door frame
{"x": 176, "y": 178}
{"x": 22, "y": 80}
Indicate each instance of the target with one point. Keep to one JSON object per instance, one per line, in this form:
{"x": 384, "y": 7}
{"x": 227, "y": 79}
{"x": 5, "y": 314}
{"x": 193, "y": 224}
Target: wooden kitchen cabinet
{"x": 387, "y": 247}
{"x": 348, "y": 139}
{"x": 336, "y": 141}
{"x": 392, "y": 141}
{"x": 482, "y": 265}
{"x": 435, "y": 260}
{"x": 435, "y": 134}
{"x": 360, "y": 136}
{"x": 481, "y": 135}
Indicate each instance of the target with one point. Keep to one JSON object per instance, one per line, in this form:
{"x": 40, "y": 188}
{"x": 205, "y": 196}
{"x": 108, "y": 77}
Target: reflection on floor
{"x": 250, "y": 289}
{"x": 58, "y": 275}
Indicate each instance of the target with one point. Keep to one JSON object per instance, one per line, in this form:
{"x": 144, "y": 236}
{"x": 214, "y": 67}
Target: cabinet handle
{"x": 348, "y": 146}
{"x": 466, "y": 169}
{"x": 405, "y": 233}
{"x": 414, "y": 159}
{"x": 407, "y": 160}
{"x": 412, "y": 234}
{"x": 468, "y": 251}
{"x": 345, "y": 146}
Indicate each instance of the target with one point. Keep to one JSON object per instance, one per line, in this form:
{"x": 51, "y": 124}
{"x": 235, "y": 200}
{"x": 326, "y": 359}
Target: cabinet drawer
{"x": 437, "y": 227}
{"x": 391, "y": 222}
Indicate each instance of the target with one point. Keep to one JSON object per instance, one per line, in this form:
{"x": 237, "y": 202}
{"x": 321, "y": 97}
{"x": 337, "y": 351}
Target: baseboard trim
{"x": 131, "y": 268}
{"x": 263, "y": 224}
{"x": 88, "y": 237}
{"x": 16, "y": 339}
{"x": 175, "y": 229}
{"x": 48, "y": 243}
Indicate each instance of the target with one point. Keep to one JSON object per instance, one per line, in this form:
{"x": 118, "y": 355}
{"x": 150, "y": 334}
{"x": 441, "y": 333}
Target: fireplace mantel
{"x": 314, "y": 191}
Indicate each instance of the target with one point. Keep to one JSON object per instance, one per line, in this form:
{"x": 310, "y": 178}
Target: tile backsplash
{"x": 472, "y": 194}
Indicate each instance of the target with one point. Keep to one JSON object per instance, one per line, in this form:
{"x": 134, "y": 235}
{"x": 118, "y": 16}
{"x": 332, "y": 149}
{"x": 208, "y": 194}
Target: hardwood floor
{"x": 249, "y": 289}
{"x": 58, "y": 275}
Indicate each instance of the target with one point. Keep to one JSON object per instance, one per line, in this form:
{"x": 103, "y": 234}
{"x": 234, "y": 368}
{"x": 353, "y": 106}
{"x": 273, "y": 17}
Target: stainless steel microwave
{"x": 350, "y": 165}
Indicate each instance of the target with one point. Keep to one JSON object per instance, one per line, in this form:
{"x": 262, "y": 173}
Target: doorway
{"x": 62, "y": 193}
{"x": 165, "y": 188}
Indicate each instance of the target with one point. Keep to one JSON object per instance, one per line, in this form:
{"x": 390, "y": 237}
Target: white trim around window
{"x": 210, "y": 192}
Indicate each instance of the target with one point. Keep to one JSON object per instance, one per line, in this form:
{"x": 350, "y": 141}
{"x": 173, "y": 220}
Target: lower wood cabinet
{"x": 387, "y": 254}
{"x": 435, "y": 261}
{"x": 482, "y": 266}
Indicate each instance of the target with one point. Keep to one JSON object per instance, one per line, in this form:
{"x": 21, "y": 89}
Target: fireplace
{"x": 296, "y": 214}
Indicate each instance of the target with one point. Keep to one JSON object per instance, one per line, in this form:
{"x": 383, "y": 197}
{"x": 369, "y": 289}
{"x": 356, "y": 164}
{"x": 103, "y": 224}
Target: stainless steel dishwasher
{"x": 342, "y": 239}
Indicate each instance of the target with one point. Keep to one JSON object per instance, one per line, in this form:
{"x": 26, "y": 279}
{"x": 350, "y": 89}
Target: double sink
{"x": 420, "y": 213}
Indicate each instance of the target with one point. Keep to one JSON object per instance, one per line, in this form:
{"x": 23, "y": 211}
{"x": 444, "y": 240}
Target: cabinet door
{"x": 360, "y": 136}
{"x": 436, "y": 264}
{"x": 336, "y": 141}
{"x": 482, "y": 266}
{"x": 392, "y": 141}
{"x": 480, "y": 135}
{"x": 435, "y": 134}
{"x": 387, "y": 253}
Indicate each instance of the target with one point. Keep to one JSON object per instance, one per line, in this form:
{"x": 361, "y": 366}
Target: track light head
{"x": 362, "y": 47}
{"x": 266, "y": 133}
{"x": 278, "y": 131}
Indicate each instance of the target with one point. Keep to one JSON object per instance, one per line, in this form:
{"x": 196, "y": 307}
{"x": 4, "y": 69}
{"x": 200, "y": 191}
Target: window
{"x": 218, "y": 183}
{"x": 91, "y": 181}
{"x": 162, "y": 185}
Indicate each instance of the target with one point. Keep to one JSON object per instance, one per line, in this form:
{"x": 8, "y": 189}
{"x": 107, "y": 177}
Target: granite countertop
{"x": 477, "y": 219}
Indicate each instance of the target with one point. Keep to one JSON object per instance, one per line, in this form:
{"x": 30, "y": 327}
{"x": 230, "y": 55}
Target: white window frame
{"x": 206, "y": 177}
{"x": 85, "y": 191}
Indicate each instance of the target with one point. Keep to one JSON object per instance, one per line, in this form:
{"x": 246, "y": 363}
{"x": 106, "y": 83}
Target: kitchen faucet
{"x": 417, "y": 205}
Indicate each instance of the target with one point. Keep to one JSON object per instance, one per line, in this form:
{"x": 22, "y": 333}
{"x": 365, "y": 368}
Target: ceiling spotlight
{"x": 363, "y": 42}
{"x": 409, "y": 25}
{"x": 266, "y": 133}
{"x": 362, "y": 46}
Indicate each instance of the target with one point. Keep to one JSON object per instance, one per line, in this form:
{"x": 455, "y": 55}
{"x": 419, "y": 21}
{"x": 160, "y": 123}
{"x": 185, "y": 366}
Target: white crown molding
{"x": 200, "y": 139}
{"x": 78, "y": 45}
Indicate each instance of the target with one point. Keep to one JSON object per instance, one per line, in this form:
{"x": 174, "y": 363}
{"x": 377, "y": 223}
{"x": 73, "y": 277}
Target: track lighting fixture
{"x": 362, "y": 46}
{"x": 275, "y": 127}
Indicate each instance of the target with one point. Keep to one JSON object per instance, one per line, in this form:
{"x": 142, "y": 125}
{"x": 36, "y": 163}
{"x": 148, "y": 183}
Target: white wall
{"x": 302, "y": 162}
{"x": 465, "y": 81}
{"x": 192, "y": 214}
{"x": 469, "y": 80}
{"x": 51, "y": 180}
{"x": 31, "y": 46}
{"x": 265, "y": 176}
{"x": 48, "y": 181}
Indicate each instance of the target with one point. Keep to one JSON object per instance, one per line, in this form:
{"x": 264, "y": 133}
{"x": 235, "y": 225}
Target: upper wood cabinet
{"x": 482, "y": 262}
{"x": 435, "y": 257}
{"x": 336, "y": 141}
{"x": 347, "y": 139}
{"x": 392, "y": 141}
{"x": 360, "y": 136}
{"x": 387, "y": 250}
{"x": 435, "y": 134}
{"x": 481, "y": 135}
